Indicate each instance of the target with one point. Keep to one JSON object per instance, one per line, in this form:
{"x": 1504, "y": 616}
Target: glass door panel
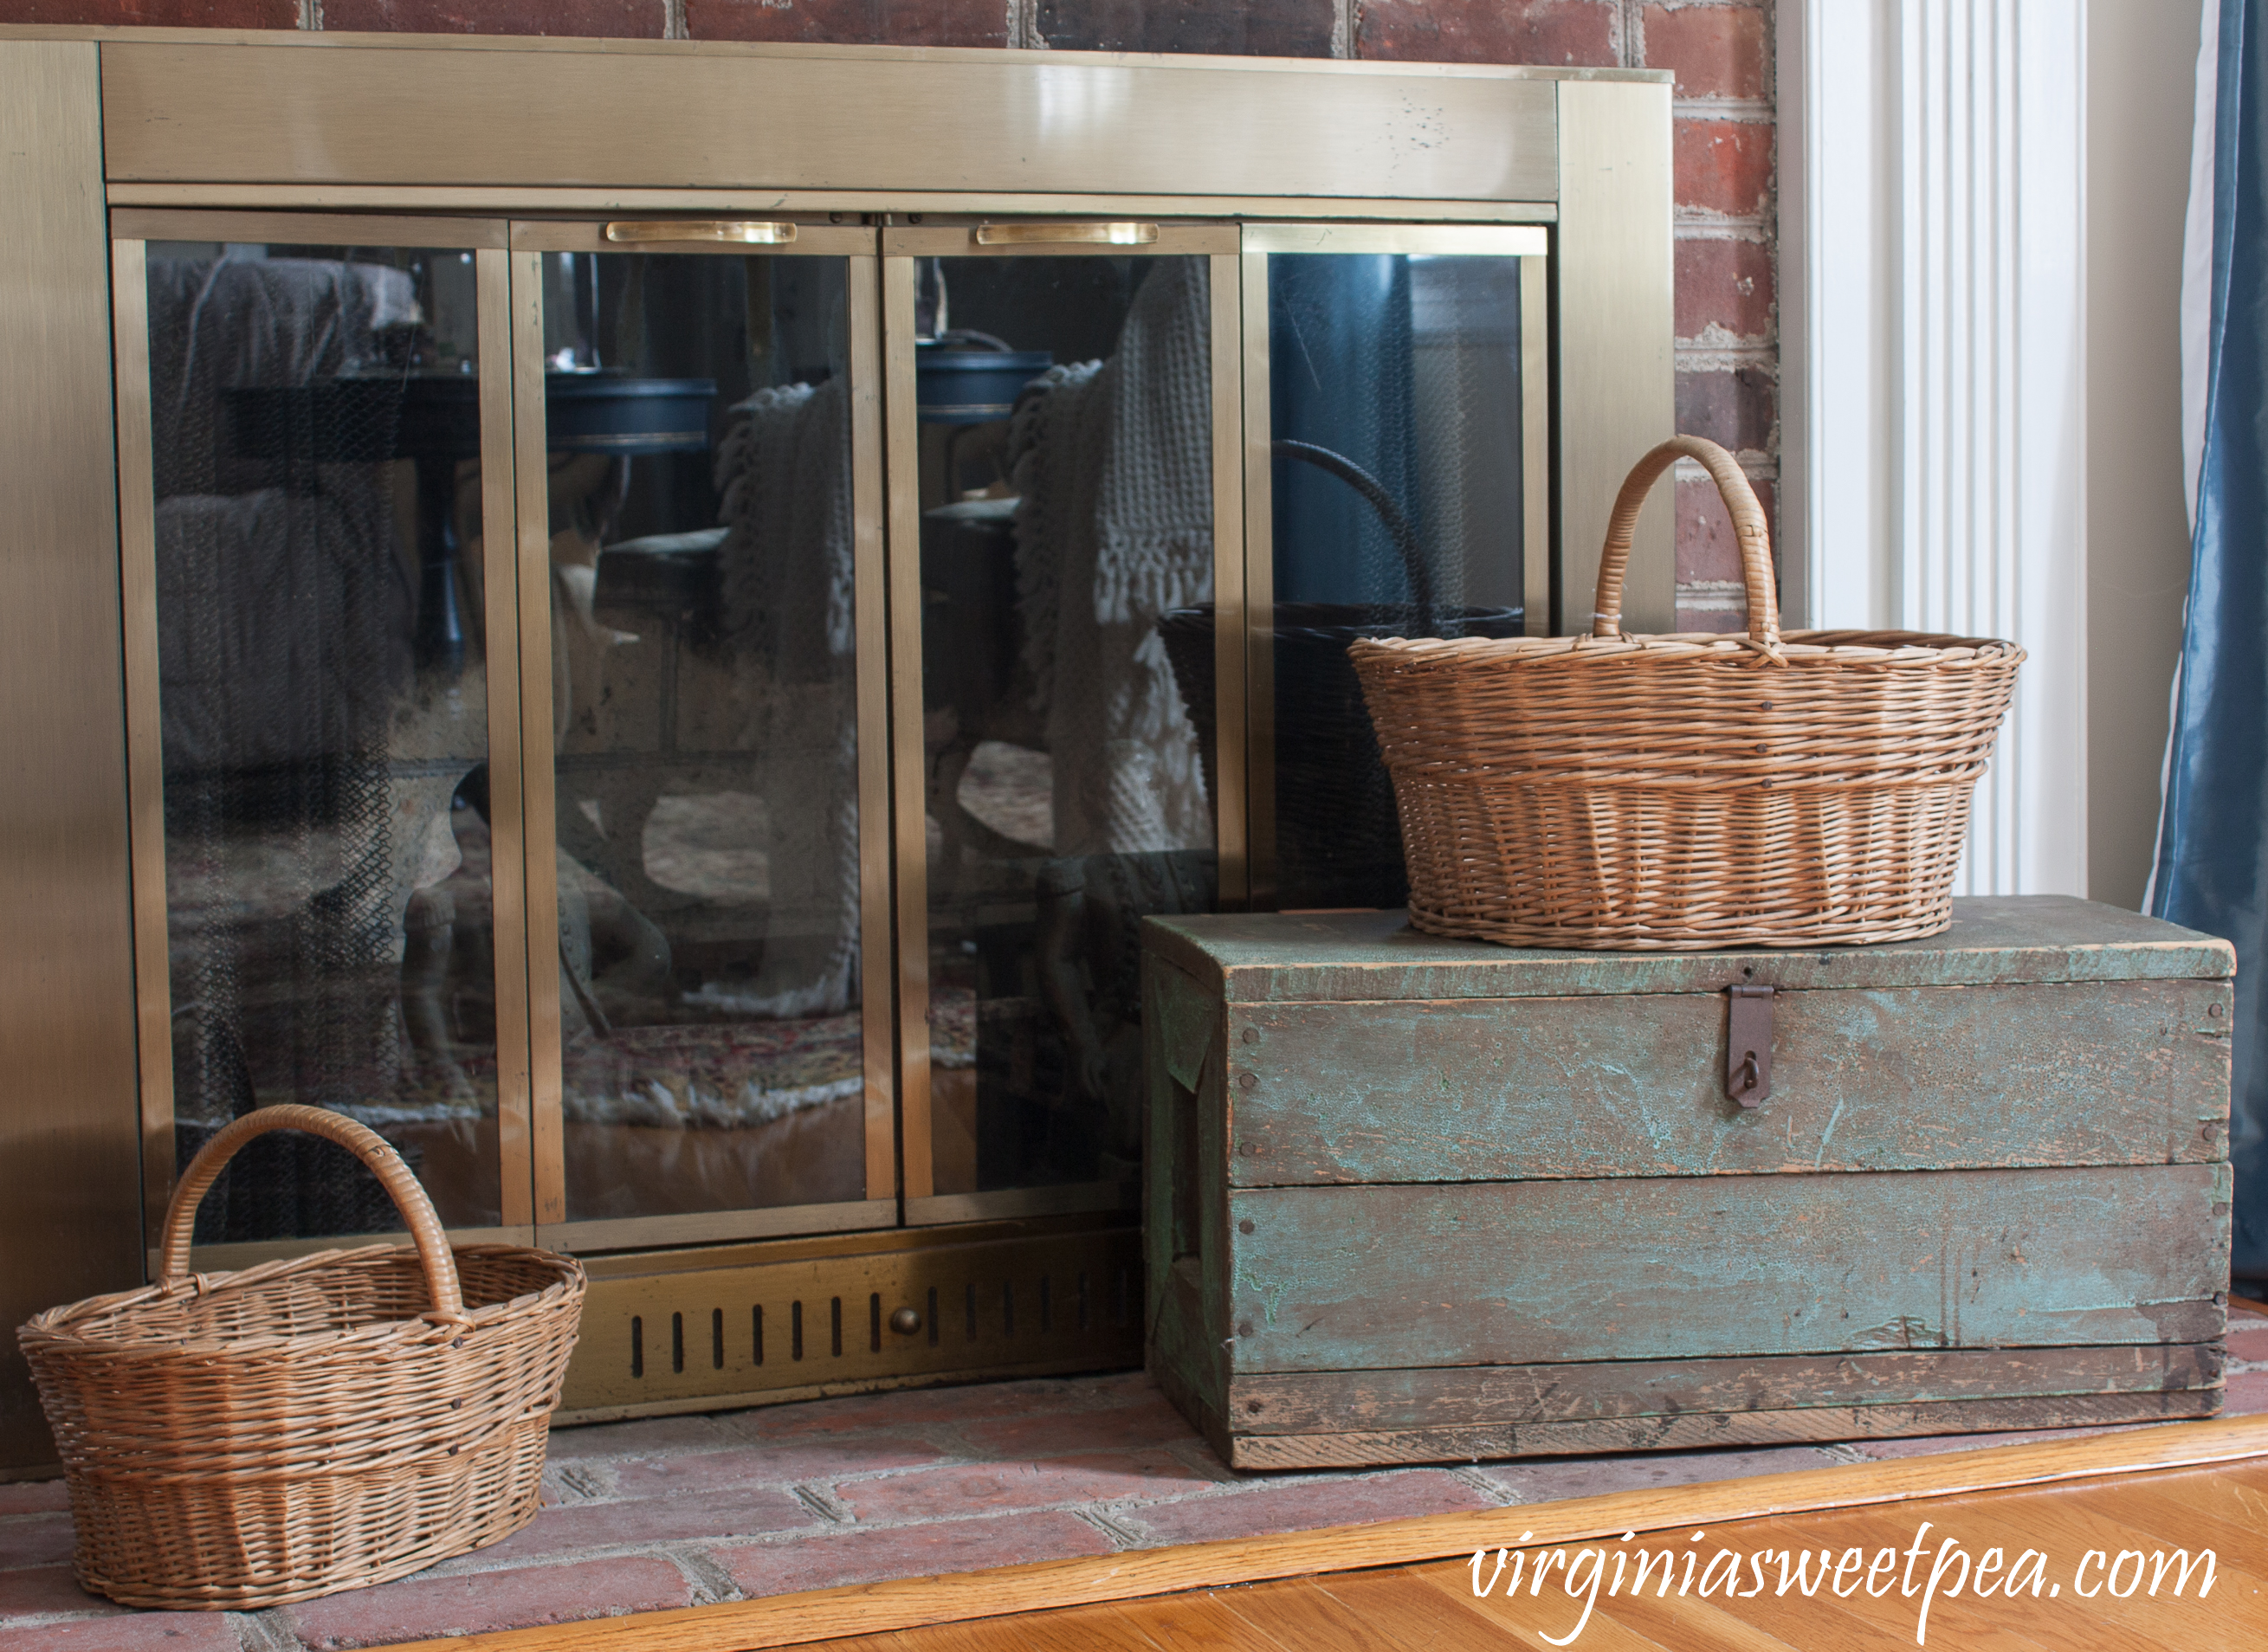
{"x": 311, "y": 710}
{"x": 1403, "y": 440}
{"x": 702, "y": 524}
{"x": 1062, "y": 403}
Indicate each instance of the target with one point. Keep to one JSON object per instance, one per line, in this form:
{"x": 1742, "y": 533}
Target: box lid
{"x": 1260, "y": 958}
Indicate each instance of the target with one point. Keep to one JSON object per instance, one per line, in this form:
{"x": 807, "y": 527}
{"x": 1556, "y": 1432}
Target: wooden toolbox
{"x": 1411, "y": 1200}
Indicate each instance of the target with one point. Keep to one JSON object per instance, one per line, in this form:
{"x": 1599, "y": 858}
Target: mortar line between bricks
{"x": 825, "y": 1505}
{"x": 1117, "y": 1536}
{"x": 1747, "y": 111}
{"x": 1470, "y": 1475}
{"x": 711, "y": 1583}
{"x": 1719, "y": 229}
{"x": 264, "y": 1631}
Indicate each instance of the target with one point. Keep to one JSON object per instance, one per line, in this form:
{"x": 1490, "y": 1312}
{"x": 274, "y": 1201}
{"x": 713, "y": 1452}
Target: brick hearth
{"x": 681, "y": 1511}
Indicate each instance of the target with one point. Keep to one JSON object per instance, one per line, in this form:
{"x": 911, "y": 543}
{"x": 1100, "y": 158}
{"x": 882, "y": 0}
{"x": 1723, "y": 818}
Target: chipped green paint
{"x": 2095, "y": 1073}
{"x": 1184, "y": 1015}
{"x": 1268, "y": 958}
{"x": 1524, "y": 1273}
{"x": 1480, "y": 1174}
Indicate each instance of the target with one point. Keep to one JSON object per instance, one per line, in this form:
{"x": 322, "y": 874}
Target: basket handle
{"x": 359, "y": 1139}
{"x": 1748, "y": 527}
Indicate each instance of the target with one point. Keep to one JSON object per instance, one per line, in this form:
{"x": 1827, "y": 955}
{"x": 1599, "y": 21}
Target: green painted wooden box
{"x": 1411, "y": 1200}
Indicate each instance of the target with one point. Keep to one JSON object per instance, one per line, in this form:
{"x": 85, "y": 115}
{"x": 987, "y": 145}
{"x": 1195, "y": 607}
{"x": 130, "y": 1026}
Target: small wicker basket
{"x": 241, "y": 1440}
{"x": 1686, "y": 791}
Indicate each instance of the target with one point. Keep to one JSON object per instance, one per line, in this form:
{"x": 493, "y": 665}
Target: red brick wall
{"x": 1727, "y": 331}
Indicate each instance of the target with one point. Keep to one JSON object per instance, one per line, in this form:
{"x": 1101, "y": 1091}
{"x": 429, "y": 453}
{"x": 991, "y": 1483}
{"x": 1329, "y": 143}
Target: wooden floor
{"x": 2131, "y": 1519}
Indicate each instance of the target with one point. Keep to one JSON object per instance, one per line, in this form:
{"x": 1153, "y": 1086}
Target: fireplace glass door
{"x": 307, "y": 525}
{"x": 1058, "y": 417}
{"x": 679, "y": 723}
{"x": 706, "y": 532}
{"x": 1397, "y": 452}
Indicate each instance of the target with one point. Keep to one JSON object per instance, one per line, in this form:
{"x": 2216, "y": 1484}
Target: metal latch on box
{"x": 1747, "y": 1044}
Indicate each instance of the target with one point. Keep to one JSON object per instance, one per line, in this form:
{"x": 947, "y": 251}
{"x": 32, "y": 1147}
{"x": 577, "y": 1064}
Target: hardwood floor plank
{"x": 1452, "y": 1580}
{"x": 1192, "y": 1623}
{"x": 2227, "y": 1511}
{"x": 1393, "y": 1598}
{"x": 1103, "y": 1628}
{"x": 1301, "y": 1617}
{"x": 1864, "y": 1620}
{"x": 2234, "y": 1617}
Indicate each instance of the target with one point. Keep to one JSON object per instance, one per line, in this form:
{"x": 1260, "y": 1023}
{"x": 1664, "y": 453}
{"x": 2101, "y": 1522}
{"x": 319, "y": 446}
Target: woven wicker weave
{"x": 1686, "y": 791}
{"x": 247, "y": 1439}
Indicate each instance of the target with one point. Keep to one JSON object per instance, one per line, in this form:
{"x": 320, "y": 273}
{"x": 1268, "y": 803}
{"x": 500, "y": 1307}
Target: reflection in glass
{"x": 1395, "y": 393}
{"x": 1067, "y": 493}
{"x": 704, "y": 714}
{"x": 323, "y": 702}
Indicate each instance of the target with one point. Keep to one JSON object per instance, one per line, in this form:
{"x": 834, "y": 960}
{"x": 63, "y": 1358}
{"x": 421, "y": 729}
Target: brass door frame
{"x": 894, "y": 874}
{"x": 131, "y": 230}
{"x": 1533, "y": 247}
{"x": 530, "y": 239}
{"x": 69, "y": 1131}
{"x": 1217, "y": 243}
{"x": 487, "y": 113}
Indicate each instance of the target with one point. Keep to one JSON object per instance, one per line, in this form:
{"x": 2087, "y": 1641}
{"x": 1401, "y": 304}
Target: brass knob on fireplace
{"x": 905, "y": 1321}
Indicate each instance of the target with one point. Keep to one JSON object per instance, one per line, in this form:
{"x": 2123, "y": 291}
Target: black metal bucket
{"x": 1338, "y": 840}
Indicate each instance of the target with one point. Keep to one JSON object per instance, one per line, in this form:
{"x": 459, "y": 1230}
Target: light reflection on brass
{"x": 507, "y": 827}
{"x": 1259, "y": 593}
{"x": 537, "y": 784}
{"x": 145, "y": 784}
{"x": 1228, "y": 579}
{"x": 910, "y": 818}
{"x": 1438, "y": 240}
{"x": 546, "y": 198}
{"x": 877, "y": 991}
{"x": 1536, "y": 444}
{"x": 1049, "y": 234}
{"x": 732, "y": 231}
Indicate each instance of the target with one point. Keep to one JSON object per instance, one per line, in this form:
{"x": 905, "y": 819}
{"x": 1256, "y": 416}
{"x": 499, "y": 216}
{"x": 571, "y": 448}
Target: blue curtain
{"x": 2212, "y": 871}
{"x": 1341, "y": 355}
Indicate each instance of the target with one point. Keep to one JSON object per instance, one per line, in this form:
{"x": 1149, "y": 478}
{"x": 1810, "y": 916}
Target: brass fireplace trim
{"x": 1006, "y": 121}
{"x": 293, "y": 132}
{"x": 704, "y": 1330}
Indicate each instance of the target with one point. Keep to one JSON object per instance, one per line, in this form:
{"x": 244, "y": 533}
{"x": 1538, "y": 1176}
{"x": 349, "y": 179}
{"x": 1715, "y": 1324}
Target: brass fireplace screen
{"x": 665, "y": 679}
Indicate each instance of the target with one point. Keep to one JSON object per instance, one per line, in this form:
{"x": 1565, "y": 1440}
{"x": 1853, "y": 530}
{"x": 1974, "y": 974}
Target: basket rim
{"x": 1910, "y": 649}
{"x": 54, "y": 1331}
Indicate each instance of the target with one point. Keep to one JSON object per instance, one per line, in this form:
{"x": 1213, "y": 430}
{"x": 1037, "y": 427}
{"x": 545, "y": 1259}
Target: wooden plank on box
{"x": 1470, "y": 1396}
{"x": 1264, "y": 958}
{"x": 2097, "y": 1073}
{"x": 1520, "y": 1273}
{"x": 1700, "y": 1430}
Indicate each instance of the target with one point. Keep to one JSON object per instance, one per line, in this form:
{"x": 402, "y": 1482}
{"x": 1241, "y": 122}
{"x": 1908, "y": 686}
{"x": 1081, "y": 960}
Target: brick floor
{"x": 941, "y": 1494}
{"x": 685, "y": 1510}
{"x": 39, "y": 1495}
{"x": 422, "y": 1608}
{"x": 34, "y": 1540}
{"x": 45, "y": 1591}
{"x": 1266, "y": 1506}
{"x": 142, "y": 1632}
{"x": 1551, "y": 1480}
{"x": 915, "y": 1551}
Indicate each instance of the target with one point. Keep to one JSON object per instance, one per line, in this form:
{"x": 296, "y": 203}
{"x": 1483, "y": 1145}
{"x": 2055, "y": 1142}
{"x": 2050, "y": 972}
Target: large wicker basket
{"x": 1686, "y": 791}
{"x": 247, "y": 1439}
